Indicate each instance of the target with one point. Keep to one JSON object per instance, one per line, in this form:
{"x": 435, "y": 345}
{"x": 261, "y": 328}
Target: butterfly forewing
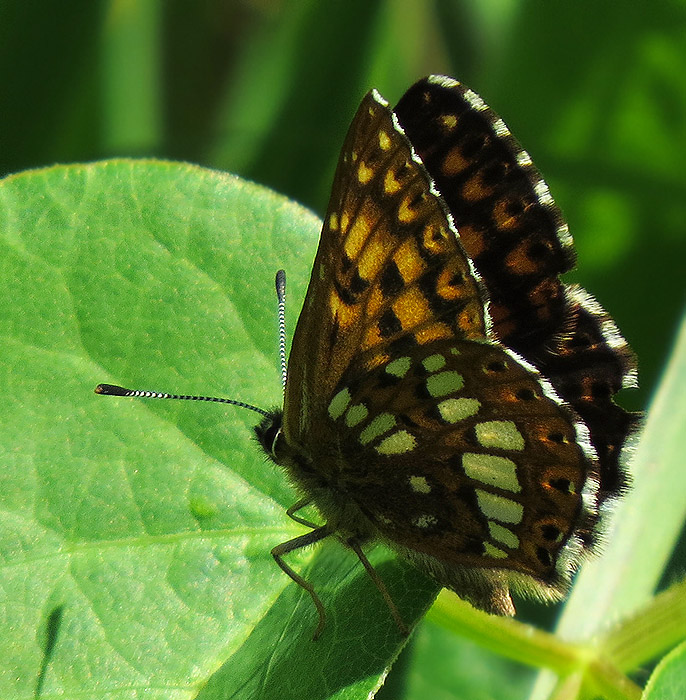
{"x": 401, "y": 397}
{"x": 389, "y": 270}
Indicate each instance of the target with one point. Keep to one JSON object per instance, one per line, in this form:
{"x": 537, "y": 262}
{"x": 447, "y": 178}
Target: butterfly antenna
{"x": 114, "y": 390}
{"x": 281, "y": 300}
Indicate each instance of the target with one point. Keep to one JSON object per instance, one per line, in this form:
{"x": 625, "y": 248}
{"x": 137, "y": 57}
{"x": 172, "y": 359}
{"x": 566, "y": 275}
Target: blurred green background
{"x": 594, "y": 91}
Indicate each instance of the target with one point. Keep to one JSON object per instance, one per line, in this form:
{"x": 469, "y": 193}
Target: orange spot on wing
{"x": 407, "y": 213}
{"x": 435, "y": 237}
{"x": 360, "y": 228}
{"x": 472, "y": 241}
{"x": 344, "y": 314}
{"x": 364, "y": 173}
{"x": 519, "y": 262}
{"x": 470, "y": 321}
{"x": 376, "y": 361}
{"x": 502, "y": 322}
{"x": 409, "y": 262}
{"x": 391, "y": 184}
{"x": 449, "y": 291}
{"x": 454, "y": 162}
{"x": 502, "y": 218}
{"x": 436, "y": 331}
{"x": 372, "y": 338}
{"x": 474, "y": 190}
{"x": 448, "y": 121}
{"x": 411, "y": 308}
{"x": 374, "y": 303}
{"x": 375, "y": 253}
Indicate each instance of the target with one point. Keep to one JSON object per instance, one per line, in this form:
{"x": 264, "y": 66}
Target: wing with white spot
{"x": 461, "y": 452}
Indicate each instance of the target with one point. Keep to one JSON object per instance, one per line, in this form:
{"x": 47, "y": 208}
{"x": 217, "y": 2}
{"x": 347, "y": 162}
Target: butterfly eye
{"x": 270, "y": 435}
{"x": 278, "y": 443}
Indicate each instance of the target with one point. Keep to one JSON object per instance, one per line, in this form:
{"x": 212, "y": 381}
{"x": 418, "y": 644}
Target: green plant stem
{"x": 534, "y": 647}
{"x": 606, "y": 681}
{"x": 649, "y": 633}
{"x": 507, "y": 637}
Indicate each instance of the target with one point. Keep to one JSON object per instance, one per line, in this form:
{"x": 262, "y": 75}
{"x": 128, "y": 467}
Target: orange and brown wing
{"x": 519, "y": 242}
{"x": 389, "y": 271}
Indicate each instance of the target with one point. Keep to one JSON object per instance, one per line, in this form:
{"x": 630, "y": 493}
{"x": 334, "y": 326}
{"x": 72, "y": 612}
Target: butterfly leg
{"x": 299, "y": 506}
{"x": 319, "y": 533}
{"x": 378, "y": 582}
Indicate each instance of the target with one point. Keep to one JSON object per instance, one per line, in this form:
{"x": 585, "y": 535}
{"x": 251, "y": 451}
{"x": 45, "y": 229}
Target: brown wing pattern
{"x": 389, "y": 270}
{"x": 515, "y": 234}
{"x": 460, "y": 452}
{"x": 400, "y": 395}
{"x": 436, "y": 379}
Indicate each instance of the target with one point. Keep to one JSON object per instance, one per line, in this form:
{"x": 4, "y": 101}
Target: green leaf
{"x": 136, "y": 535}
{"x": 646, "y": 523}
{"x": 445, "y": 665}
{"x": 668, "y": 681}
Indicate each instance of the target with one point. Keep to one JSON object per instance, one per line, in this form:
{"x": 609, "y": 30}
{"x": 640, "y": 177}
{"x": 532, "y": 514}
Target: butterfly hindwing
{"x": 509, "y": 224}
{"x": 519, "y": 242}
{"x": 461, "y": 453}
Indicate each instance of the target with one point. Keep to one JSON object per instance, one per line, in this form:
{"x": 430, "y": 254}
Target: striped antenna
{"x": 281, "y": 300}
{"x": 115, "y": 390}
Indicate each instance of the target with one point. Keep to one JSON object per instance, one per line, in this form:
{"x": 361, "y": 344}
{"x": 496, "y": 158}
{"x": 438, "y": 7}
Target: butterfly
{"x": 446, "y": 393}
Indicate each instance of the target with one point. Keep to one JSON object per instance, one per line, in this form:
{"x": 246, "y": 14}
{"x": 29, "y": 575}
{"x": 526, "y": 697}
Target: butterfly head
{"x": 270, "y": 435}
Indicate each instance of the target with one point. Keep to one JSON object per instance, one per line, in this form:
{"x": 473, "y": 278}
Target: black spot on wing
{"x": 389, "y": 324}
{"x": 391, "y": 281}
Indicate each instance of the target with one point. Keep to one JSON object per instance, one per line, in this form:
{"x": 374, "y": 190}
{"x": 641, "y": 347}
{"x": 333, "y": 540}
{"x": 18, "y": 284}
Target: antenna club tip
{"x": 111, "y": 390}
{"x": 280, "y": 280}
